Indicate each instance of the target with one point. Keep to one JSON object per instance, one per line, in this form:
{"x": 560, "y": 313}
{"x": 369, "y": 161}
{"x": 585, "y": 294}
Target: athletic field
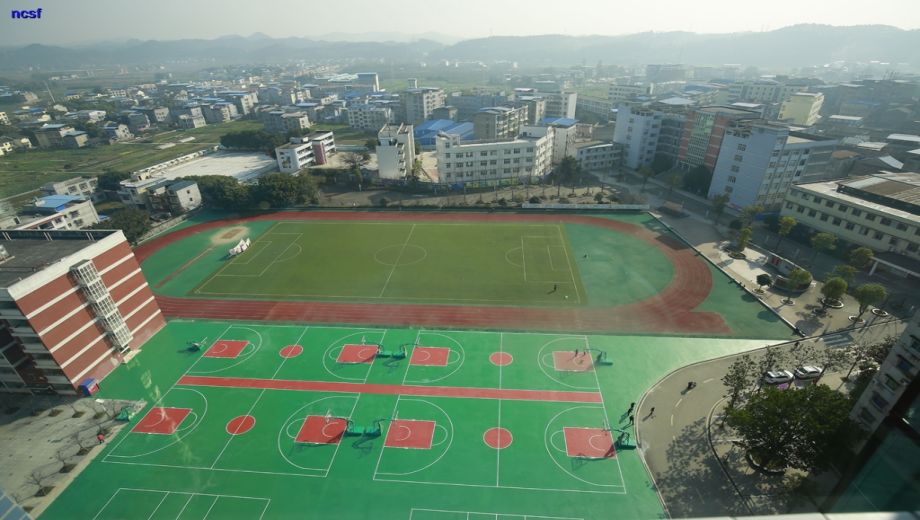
{"x": 439, "y": 262}
{"x": 296, "y": 421}
{"x": 526, "y": 272}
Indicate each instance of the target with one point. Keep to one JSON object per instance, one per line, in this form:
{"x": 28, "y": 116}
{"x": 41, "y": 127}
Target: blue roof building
{"x": 427, "y": 132}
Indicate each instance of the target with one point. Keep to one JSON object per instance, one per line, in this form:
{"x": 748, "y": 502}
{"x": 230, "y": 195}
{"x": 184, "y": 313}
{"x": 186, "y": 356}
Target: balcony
{"x": 11, "y": 313}
{"x": 24, "y": 331}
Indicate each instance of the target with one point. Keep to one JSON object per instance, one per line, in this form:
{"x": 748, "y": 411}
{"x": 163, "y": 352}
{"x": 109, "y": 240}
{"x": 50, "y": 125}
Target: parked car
{"x": 808, "y": 372}
{"x": 777, "y": 377}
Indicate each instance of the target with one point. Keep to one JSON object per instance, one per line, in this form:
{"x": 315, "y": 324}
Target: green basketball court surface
{"x": 258, "y": 423}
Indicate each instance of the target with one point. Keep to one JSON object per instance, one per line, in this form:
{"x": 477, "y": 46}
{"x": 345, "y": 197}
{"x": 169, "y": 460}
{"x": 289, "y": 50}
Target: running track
{"x": 670, "y": 311}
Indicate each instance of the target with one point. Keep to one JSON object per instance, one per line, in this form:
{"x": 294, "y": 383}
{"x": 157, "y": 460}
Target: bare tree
{"x": 63, "y": 455}
{"x": 739, "y": 379}
{"x": 38, "y": 479}
{"x": 803, "y": 353}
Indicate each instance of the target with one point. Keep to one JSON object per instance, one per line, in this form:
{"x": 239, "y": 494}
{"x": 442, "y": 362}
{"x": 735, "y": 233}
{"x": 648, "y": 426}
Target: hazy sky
{"x": 66, "y": 21}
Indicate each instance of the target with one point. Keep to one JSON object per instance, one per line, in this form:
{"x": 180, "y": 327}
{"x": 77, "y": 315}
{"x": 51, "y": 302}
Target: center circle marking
{"x": 240, "y": 425}
{"x": 291, "y": 351}
{"x": 501, "y": 359}
{"x": 498, "y": 438}
{"x": 397, "y": 255}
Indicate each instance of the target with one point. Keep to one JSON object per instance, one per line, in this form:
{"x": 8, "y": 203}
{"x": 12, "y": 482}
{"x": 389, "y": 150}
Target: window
{"x": 729, "y": 189}
{"x": 732, "y": 179}
{"x": 864, "y": 231}
{"x": 850, "y": 226}
{"x": 904, "y": 365}
{"x": 735, "y": 168}
{"x": 801, "y": 209}
{"x": 506, "y": 161}
{"x": 829, "y": 203}
{"x": 739, "y": 158}
{"x": 789, "y": 205}
{"x": 842, "y": 208}
{"x": 824, "y": 217}
{"x": 483, "y": 153}
{"x": 893, "y": 241}
{"x": 912, "y": 247}
{"x": 837, "y": 221}
{"x": 483, "y": 163}
{"x": 891, "y": 383}
{"x": 857, "y": 212}
{"x": 885, "y": 221}
{"x": 880, "y": 402}
{"x": 517, "y": 150}
{"x": 879, "y": 235}
{"x": 818, "y": 200}
{"x": 870, "y": 217}
{"x": 866, "y": 415}
{"x": 742, "y": 147}
{"x": 901, "y": 226}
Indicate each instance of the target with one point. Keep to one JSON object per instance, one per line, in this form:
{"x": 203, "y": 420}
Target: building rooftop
{"x": 794, "y": 139}
{"x": 904, "y": 137}
{"x": 838, "y": 117}
{"x": 33, "y": 250}
{"x": 558, "y": 121}
{"x": 870, "y": 145}
{"x": 870, "y": 193}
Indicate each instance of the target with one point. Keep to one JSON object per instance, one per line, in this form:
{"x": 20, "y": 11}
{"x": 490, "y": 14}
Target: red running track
{"x": 670, "y": 311}
{"x": 413, "y": 390}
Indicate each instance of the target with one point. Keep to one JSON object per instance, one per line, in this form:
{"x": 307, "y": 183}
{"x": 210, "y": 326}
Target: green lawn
{"x": 201, "y": 467}
{"x": 28, "y": 170}
{"x": 465, "y": 263}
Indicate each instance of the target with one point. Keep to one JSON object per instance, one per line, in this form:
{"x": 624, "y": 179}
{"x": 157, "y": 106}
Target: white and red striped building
{"x": 73, "y": 305}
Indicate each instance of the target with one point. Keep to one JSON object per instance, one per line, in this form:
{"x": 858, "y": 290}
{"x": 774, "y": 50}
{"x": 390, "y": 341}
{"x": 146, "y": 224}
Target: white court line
{"x": 490, "y": 486}
{"x": 396, "y": 263}
{"x": 511, "y": 515}
{"x": 606, "y": 417}
{"x": 569, "y": 263}
{"x": 498, "y": 456}
{"x": 205, "y": 468}
{"x": 418, "y": 336}
{"x": 214, "y": 503}
{"x": 158, "y": 506}
{"x": 124, "y": 433}
{"x": 523, "y": 259}
{"x": 259, "y": 397}
{"x": 382, "y": 449}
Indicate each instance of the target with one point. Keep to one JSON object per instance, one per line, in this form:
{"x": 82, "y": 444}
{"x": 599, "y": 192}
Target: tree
{"x": 799, "y": 277}
{"x": 786, "y": 225}
{"x": 866, "y": 355}
{"x": 847, "y": 272}
{"x": 252, "y": 140}
{"x": 823, "y": 242}
{"x": 749, "y": 212}
{"x": 661, "y": 164}
{"x": 223, "y": 192}
{"x": 869, "y": 294}
{"x": 568, "y": 171}
{"x": 833, "y": 289}
{"x": 698, "y": 180}
{"x": 861, "y": 257}
{"x": 132, "y": 221}
{"x": 646, "y": 173}
{"x": 599, "y": 198}
{"x": 764, "y": 280}
{"x": 108, "y": 181}
{"x": 806, "y": 429}
{"x": 739, "y": 379}
{"x": 673, "y": 182}
{"x": 356, "y": 160}
{"x": 718, "y": 206}
{"x": 744, "y": 239}
{"x": 277, "y": 190}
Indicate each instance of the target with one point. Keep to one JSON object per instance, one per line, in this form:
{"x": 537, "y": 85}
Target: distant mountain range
{"x": 795, "y": 46}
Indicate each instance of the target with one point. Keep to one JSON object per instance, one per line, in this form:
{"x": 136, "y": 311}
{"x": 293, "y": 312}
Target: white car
{"x": 777, "y": 377}
{"x": 808, "y": 372}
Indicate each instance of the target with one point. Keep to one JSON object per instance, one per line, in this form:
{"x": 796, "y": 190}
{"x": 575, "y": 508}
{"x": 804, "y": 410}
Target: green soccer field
{"x": 503, "y": 425}
{"x": 396, "y": 261}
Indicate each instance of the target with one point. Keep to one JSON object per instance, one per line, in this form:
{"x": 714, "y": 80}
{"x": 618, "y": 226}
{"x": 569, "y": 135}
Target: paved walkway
{"x": 697, "y": 468}
{"x": 699, "y": 472}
